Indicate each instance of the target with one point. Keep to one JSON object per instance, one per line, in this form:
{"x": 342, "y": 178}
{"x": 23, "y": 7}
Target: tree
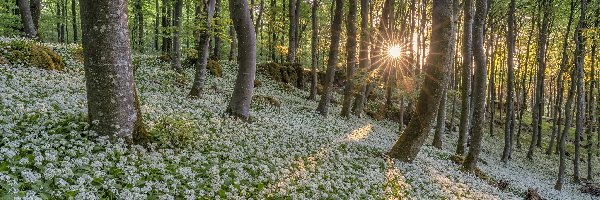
{"x": 479, "y": 86}
{"x": 313, "y": 50}
{"x": 216, "y": 37}
{"x": 176, "y": 57}
{"x": 36, "y": 11}
{"x": 438, "y": 64}
{"x": 239, "y": 105}
{"x": 579, "y": 63}
{"x": 74, "y": 21}
{"x": 336, "y": 28}
{"x": 293, "y": 31}
{"x": 467, "y": 54}
{"x": 537, "y": 110}
{"x": 26, "y": 19}
{"x": 350, "y": 58}
{"x": 563, "y": 137}
{"x": 202, "y": 47}
{"x": 113, "y": 106}
{"x": 560, "y": 85}
{"x": 364, "y": 60}
{"x": 509, "y": 123}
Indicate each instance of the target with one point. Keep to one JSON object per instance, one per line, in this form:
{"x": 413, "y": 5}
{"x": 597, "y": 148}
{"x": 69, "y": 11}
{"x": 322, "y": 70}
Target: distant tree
{"x": 408, "y": 145}
{"x": 480, "y": 77}
{"x": 218, "y": 28}
{"x": 26, "y": 19}
{"x": 74, "y": 21}
{"x": 350, "y": 58}
{"x": 113, "y": 106}
{"x": 239, "y": 105}
{"x": 202, "y": 47}
{"x": 336, "y": 28}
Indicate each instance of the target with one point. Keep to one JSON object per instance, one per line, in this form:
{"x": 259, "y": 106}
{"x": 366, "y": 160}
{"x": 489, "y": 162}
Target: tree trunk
{"x": 202, "y": 46}
{"x": 216, "y": 37}
{"x": 510, "y": 115}
{"x": 364, "y": 60}
{"x": 579, "y": 65}
{"x": 239, "y": 106}
{"x": 467, "y": 55}
{"x": 292, "y": 31}
{"x": 350, "y": 59}
{"x": 156, "y": 21}
{"x": 36, "y": 11}
{"x": 479, "y": 87}
{"x": 563, "y": 137}
{"x": 409, "y": 143}
{"x": 176, "y": 57}
{"x": 233, "y": 52}
{"x": 336, "y": 28}
{"x": 74, "y": 20}
{"x": 26, "y": 19}
{"x": 313, "y": 50}
{"x": 113, "y": 107}
{"x": 440, "y": 126}
{"x": 557, "y": 113}
{"x": 523, "y": 105}
{"x": 537, "y": 110}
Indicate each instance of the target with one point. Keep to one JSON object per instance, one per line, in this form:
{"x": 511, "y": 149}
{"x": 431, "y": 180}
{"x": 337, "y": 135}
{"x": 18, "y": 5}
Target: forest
{"x": 299, "y": 99}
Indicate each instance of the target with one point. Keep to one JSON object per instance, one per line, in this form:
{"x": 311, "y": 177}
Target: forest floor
{"x": 288, "y": 151}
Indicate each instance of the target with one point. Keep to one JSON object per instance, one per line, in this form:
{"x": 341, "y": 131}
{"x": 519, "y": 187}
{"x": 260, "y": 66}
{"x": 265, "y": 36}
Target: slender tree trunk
{"x": 523, "y": 105}
{"x": 351, "y": 58}
{"x": 440, "y": 126}
{"x": 202, "y": 46}
{"x": 579, "y": 65}
{"x": 217, "y": 30}
{"x": 313, "y": 50}
{"x": 27, "y": 20}
{"x": 113, "y": 107}
{"x": 556, "y": 115}
{"x": 233, "y": 52}
{"x": 479, "y": 87}
{"x": 409, "y": 143}
{"x": 510, "y": 115}
{"x": 292, "y": 31}
{"x": 537, "y": 111}
{"x": 176, "y": 57}
{"x": 336, "y": 28}
{"x": 156, "y": 22}
{"x": 467, "y": 55}
{"x": 74, "y": 20}
{"x": 239, "y": 105}
{"x": 563, "y": 137}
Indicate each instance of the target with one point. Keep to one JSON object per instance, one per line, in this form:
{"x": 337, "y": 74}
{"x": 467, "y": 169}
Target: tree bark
{"x": 233, "y": 52}
{"x": 36, "y": 11}
{"x": 176, "y": 56}
{"x": 537, "y": 110}
{"x": 409, "y": 143}
{"x": 579, "y": 65}
{"x": 202, "y": 47}
{"x": 336, "y": 28}
{"x": 293, "y": 31}
{"x": 563, "y": 137}
{"x": 364, "y": 60}
{"x": 467, "y": 55}
{"x": 479, "y": 87}
{"x": 350, "y": 59}
{"x": 510, "y": 115}
{"x": 26, "y": 19}
{"x": 239, "y": 105}
{"x": 113, "y": 107}
{"x": 313, "y": 50}
{"x": 440, "y": 126}
{"x": 216, "y": 37}
{"x": 74, "y": 20}
{"x": 156, "y": 22}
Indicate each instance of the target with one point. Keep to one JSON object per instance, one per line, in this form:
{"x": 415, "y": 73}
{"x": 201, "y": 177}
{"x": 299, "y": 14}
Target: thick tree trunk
{"x": 313, "y": 50}
{"x": 364, "y": 60}
{"x": 202, "y": 47}
{"x": 557, "y": 113}
{"x": 113, "y": 107}
{"x": 579, "y": 65}
{"x": 510, "y": 115}
{"x": 479, "y": 87}
{"x": 467, "y": 55}
{"x": 36, "y": 12}
{"x": 176, "y": 56}
{"x": 26, "y": 19}
{"x": 350, "y": 59}
{"x": 409, "y": 143}
{"x": 336, "y": 28}
{"x": 537, "y": 109}
{"x": 239, "y": 105}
